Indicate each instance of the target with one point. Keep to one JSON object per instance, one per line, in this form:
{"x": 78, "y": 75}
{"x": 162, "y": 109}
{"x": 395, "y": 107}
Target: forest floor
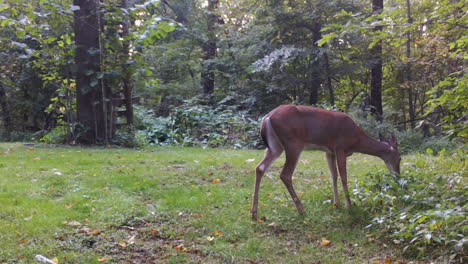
{"x": 176, "y": 205}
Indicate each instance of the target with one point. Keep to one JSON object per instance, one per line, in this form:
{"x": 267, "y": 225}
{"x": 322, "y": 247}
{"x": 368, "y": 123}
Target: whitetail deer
{"x": 292, "y": 129}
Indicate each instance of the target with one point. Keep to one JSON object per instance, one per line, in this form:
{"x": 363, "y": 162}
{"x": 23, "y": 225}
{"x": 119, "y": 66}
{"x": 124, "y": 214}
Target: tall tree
{"x": 411, "y": 103}
{"x": 315, "y": 76}
{"x": 89, "y": 98}
{"x": 126, "y": 70}
{"x": 376, "y": 68}
{"x": 209, "y": 49}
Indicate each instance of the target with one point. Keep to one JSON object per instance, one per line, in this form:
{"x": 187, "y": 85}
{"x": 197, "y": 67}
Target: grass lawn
{"x": 173, "y": 205}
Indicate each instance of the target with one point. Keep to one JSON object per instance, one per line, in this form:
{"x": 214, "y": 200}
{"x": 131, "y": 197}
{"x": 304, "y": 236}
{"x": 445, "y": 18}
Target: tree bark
{"x": 6, "y": 116}
{"x": 315, "y": 78}
{"x": 411, "y": 103}
{"x": 376, "y": 69}
{"x": 126, "y": 70}
{"x": 89, "y": 98}
{"x": 329, "y": 80}
{"x": 209, "y": 50}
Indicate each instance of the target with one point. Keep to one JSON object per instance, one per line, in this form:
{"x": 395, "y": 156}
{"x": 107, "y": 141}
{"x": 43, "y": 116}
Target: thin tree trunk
{"x": 411, "y": 103}
{"x": 315, "y": 78}
{"x": 89, "y": 97}
{"x": 6, "y": 116}
{"x": 376, "y": 69}
{"x": 209, "y": 50}
{"x": 329, "y": 79}
{"x": 127, "y": 72}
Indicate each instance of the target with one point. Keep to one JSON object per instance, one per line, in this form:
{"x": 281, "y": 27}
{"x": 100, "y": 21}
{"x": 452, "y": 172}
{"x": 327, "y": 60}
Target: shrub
{"x": 195, "y": 124}
{"x": 424, "y": 210}
{"x": 57, "y": 135}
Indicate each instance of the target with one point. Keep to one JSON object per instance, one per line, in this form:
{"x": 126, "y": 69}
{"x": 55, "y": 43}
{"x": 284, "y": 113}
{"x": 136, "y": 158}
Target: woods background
{"x": 203, "y": 72}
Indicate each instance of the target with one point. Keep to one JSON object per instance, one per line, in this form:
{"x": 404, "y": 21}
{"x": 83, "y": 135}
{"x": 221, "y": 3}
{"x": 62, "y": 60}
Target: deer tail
{"x": 263, "y": 132}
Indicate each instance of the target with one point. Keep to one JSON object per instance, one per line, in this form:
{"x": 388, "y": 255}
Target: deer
{"x": 292, "y": 129}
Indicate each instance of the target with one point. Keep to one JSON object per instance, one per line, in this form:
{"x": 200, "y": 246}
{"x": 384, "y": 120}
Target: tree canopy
{"x": 402, "y": 62}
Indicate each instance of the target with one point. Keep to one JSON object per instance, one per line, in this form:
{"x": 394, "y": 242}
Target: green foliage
{"x": 424, "y": 209}
{"x": 58, "y": 135}
{"x": 194, "y": 124}
{"x": 451, "y": 95}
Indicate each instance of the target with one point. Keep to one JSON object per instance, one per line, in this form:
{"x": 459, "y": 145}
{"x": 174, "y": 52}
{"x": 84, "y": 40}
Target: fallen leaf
{"x": 122, "y": 244}
{"x": 180, "y": 248}
{"x": 69, "y": 205}
{"x": 103, "y": 259}
{"x": 73, "y": 223}
{"x": 269, "y": 194}
{"x": 37, "y": 158}
{"x": 55, "y": 260}
{"x": 216, "y": 181}
{"x": 131, "y": 240}
{"x": 22, "y": 241}
{"x": 325, "y": 242}
{"x": 259, "y": 221}
{"x": 250, "y": 160}
{"x": 273, "y": 224}
{"x": 155, "y": 232}
{"x": 217, "y": 233}
{"x": 86, "y": 230}
{"x": 388, "y": 260}
{"x": 197, "y": 215}
{"x": 28, "y": 218}
{"x": 209, "y": 238}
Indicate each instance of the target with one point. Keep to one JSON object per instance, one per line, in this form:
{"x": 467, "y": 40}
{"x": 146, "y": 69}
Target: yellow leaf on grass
{"x": 217, "y": 233}
{"x": 103, "y": 259}
{"x": 216, "y": 181}
{"x": 122, "y": 244}
{"x": 325, "y": 242}
{"x": 388, "y": 260}
{"x": 55, "y": 260}
{"x": 259, "y": 221}
{"x": 37, "y": 158}
{"x": 269, "y": 194}
{"x": 69, "y": 205}
{"x": 209, "y": 238}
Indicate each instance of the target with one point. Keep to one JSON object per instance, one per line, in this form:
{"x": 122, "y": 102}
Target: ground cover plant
{"x": 175, "y": 205}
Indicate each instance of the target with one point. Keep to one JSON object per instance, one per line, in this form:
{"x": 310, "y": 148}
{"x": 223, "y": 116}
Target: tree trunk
{"x": 209, "y": 50}
{"x": 89, "y": 94}
{"x": 6, "y": 117}
{"x": 411, "y": 103}
{"x": 315, "y": 78}
{"x": 329, "y": 80}
{"x": 126, "y": 70}
{"x": 376, "y": 69}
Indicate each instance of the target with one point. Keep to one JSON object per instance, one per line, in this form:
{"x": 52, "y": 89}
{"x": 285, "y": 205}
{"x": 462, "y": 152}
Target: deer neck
{"x": 370, "y": 146}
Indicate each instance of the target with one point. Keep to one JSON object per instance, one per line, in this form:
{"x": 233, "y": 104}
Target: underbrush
{"x": 423, "y": 210}
{"x": 200, "y": 125}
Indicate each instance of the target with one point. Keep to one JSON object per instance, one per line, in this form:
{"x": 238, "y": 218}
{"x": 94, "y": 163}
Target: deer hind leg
{"x": 271, "y": 154}
{"x": 331, "y": 158}
{"x": 292, "y": 156}
{"x": 341, "y": 161}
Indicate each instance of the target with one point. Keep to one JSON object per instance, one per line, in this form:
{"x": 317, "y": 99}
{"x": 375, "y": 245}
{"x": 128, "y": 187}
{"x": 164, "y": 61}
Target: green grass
{"x": 161, "y": 205}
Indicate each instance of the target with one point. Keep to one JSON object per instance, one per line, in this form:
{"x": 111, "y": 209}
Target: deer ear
{"x": 393, "y": 140}
{"x": 381, "y": 138}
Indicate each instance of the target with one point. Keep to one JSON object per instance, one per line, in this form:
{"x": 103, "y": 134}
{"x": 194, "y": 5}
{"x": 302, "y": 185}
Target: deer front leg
{"x": 262, "y": 167}
{"x": 341, "y": 161}
{"x": 292, "y": 156}
{"x": 334, "y": 176}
